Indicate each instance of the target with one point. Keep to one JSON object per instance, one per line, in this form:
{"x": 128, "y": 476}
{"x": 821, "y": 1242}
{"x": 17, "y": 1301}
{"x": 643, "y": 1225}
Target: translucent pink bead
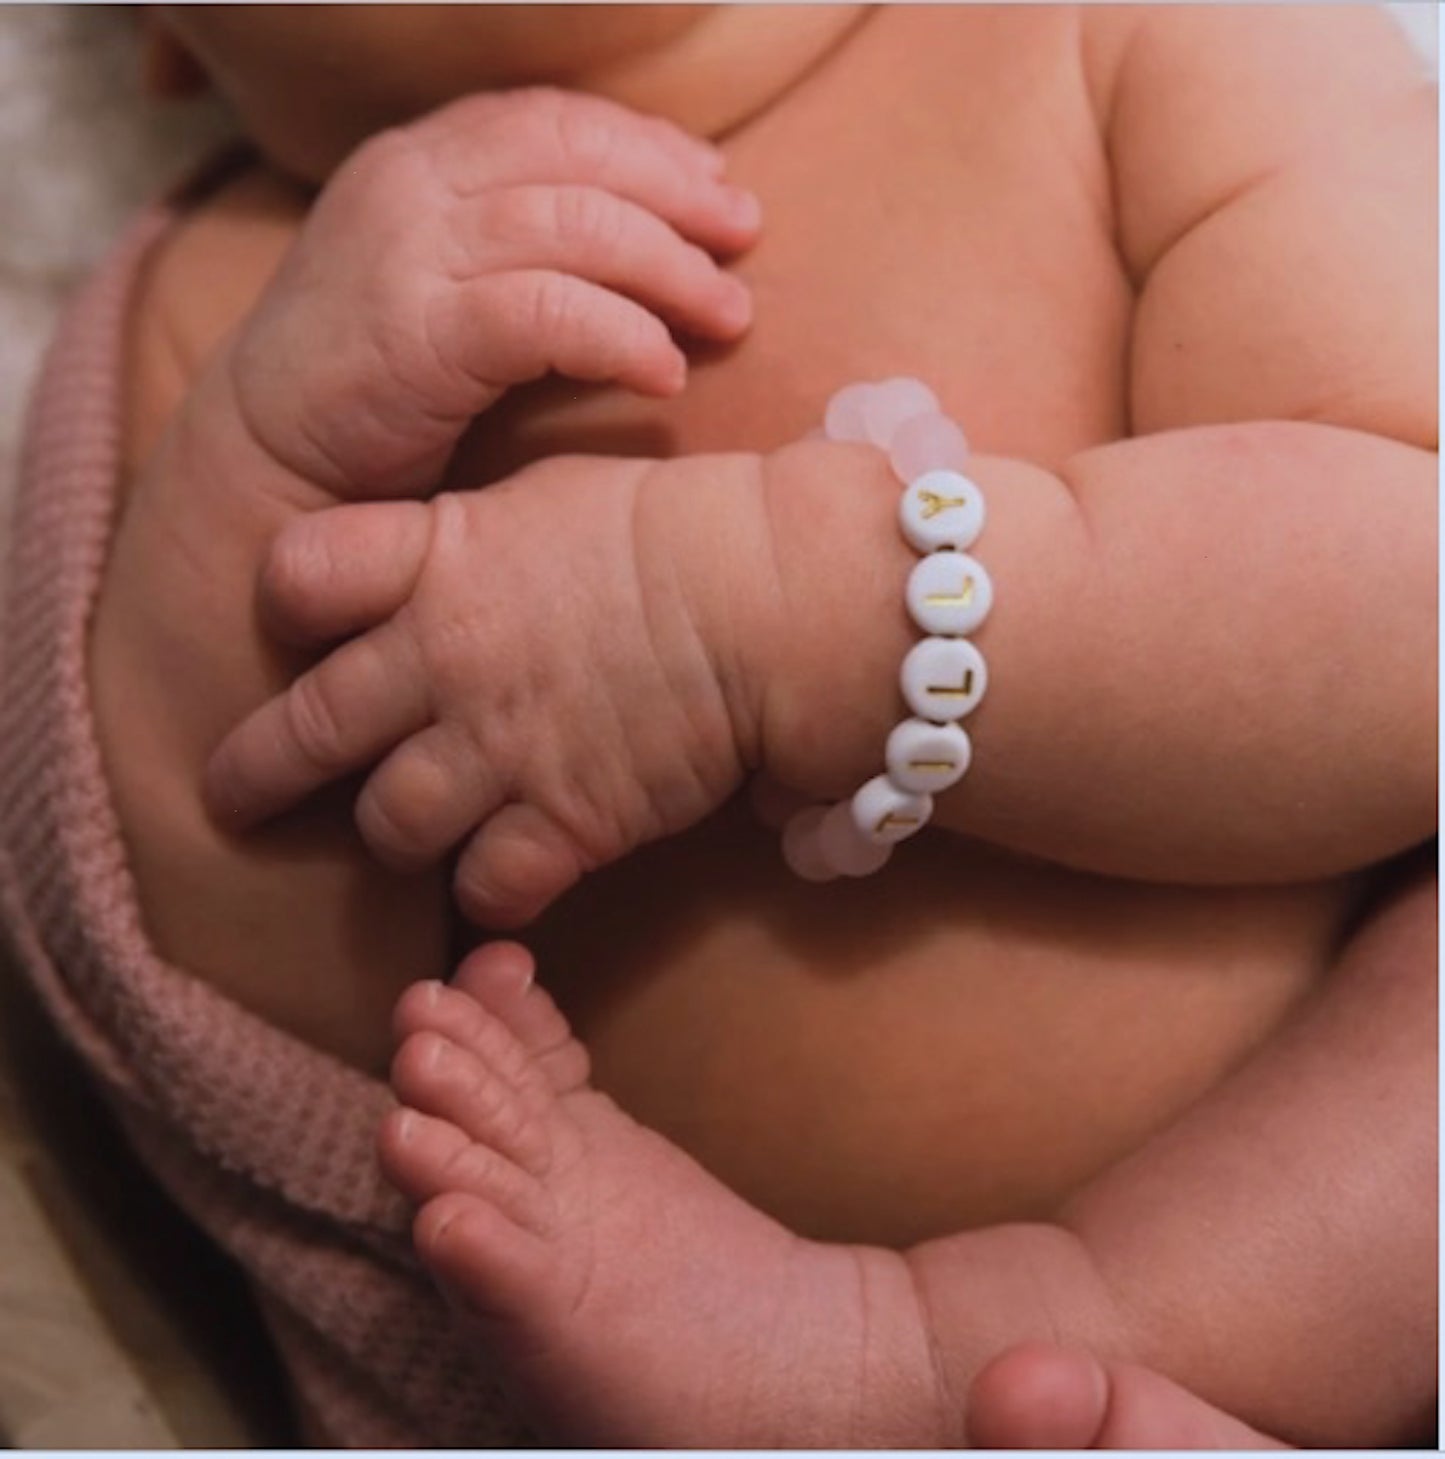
{"x": 891, "y": 403}
{"x": 930, "y": 442}
{"x": 844, "y": 848}
{"x": 802, "y": 849}
{"x": 844, "y": 419}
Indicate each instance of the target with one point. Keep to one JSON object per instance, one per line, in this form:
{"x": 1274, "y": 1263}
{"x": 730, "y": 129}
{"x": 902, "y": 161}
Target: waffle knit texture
{"x": 264, "y": 1141}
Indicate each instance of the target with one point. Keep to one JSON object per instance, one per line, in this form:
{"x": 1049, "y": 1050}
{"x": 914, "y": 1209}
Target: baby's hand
{"x": 545, "y": 663}
{"x": 500, "y": 238}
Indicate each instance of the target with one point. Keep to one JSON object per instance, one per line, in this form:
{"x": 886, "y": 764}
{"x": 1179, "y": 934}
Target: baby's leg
{"x": 634, "y": 1299}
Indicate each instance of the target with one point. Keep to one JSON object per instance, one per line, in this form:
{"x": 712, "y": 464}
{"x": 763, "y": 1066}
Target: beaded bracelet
{"x": 943, "y": 676}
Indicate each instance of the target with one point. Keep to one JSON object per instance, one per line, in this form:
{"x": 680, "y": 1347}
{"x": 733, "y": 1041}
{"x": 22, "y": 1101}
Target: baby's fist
{"x": 502, "y": 237}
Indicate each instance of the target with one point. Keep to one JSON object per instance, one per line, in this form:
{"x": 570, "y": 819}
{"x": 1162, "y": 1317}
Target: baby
{"x": 1057, "y": 1025}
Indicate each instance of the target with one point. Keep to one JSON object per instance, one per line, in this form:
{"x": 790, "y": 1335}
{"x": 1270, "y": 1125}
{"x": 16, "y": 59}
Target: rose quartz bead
{"x": 891, "y": 403}
{"x": 844, "y": 848}
{"x": 802, "y": 848}
{"x": 928, "y": 442}
{"x": 844, "y": 420}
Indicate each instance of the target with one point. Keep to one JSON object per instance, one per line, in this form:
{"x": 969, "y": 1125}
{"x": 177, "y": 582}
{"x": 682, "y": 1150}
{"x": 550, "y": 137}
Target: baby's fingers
{"x": 597, "y": 236}
{"x": 543, "y": 322}
{"x": 333, "y": 573}
{"x": 540, "y": 135}
{"x": 515, "y": 867}
{"x": 336, "y": 718}
{"x": 425, "y": 796}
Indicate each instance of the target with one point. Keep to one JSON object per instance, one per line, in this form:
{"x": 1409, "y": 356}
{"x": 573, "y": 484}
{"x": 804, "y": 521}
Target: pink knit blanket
{"x": 264, "y": 1141}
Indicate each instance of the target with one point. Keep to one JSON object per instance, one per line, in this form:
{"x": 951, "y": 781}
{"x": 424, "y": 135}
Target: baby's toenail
{"x": 403, "y": 1127}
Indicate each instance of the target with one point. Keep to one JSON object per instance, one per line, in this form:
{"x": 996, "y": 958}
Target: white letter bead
{"x": 802, "y": 848}
{"x": 943, "y": 678}
{"x": 941, "y": 509}
{"x": 949, "y": 593}
{"x": 925, "y": 757}
{"x": 844, "y": 848}
{"x": 885, "y": 814}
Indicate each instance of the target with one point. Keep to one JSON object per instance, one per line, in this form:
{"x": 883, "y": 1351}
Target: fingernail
{"x": 736, "y": 302}
{"x": 405, "y": 1126}
{"x": 742, "y": 207}
{"x": 711, "y": 155}
{"x": 676, "y": 376}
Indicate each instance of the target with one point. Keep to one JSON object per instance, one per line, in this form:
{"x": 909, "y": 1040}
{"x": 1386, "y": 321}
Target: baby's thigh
{"x": 293, "y": 921}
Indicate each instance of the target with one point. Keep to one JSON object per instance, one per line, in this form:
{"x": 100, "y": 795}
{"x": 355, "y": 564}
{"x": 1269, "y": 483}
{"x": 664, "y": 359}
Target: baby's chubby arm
{"x": 1214, "y": 644}
{"x": 497, "y": 239}
{"x": 593, "y": 653}
{"x": 599, "y": 649}
{"x": 1211, "y": 652}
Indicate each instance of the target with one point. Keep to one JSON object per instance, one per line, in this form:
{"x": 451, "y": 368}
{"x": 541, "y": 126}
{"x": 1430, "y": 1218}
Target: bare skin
{"x": 952, "y": 993}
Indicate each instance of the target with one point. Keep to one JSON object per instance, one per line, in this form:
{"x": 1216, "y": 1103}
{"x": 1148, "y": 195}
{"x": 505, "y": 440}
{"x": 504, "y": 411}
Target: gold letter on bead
{"x": 961, "y": 693}
{"x": 934, "y": 503}
{"x": 894, "y": 819}
{"x": 960, "y": 599}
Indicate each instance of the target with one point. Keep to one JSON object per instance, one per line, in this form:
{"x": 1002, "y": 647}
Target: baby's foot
{"x": 633, "y": 1299}
{"x": 1039, "y": 1396}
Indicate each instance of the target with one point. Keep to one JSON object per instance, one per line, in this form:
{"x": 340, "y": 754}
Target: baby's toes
{"x": 515, "y": 867}
{"x": 500, "y": 976}
{"x": 499, "y": 1269}
{"x": 441, "y": 1078}
{"x": 334, "y": 573}
{"x": 463, "y": 1020}
{"x": 426, "y": 1157}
